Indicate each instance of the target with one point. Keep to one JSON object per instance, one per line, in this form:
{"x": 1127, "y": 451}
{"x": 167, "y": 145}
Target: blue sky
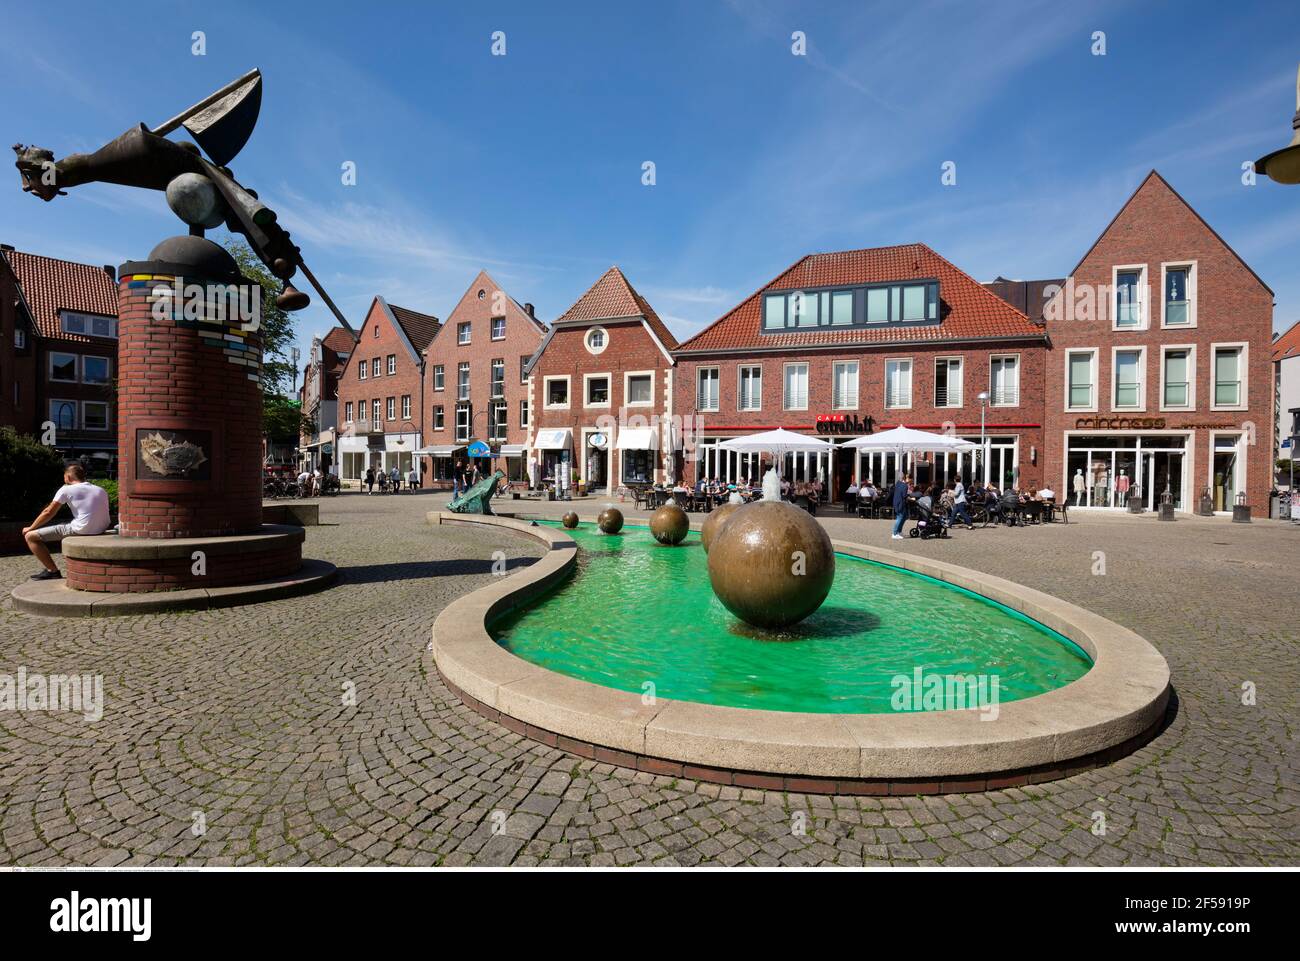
{"x": 529, "y": 165}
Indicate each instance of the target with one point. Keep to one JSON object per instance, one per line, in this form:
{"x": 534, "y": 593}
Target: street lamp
{"x": 984, "y": 443}
{"x": 1283, "y": 165}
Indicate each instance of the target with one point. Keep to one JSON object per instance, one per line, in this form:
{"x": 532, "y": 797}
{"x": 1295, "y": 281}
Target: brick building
{"x": 319, "y": 395}
{"x": 840, "y": 344}
{"x": 476, "y": 384}
{"x": 381, "y": 390}
{"x": 601, "y": 392}
{"x": 59, "y": 362}
{"x": 1159, "y": 374}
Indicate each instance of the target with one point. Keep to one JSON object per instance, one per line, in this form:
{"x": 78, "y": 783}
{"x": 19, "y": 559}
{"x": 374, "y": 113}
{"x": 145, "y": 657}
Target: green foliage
{"x": 30, "y": 473}
{"x": 281, "y": 418}
{"x": 111, "y": 487}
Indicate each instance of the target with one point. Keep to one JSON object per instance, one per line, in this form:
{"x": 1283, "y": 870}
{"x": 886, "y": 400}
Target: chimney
{"x": 6, "y": 247}
{"x": 111, "y": 271}
{"x": 528, "y": 309}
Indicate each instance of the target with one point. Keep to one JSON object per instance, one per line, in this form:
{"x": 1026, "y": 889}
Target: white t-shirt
{"x": 89, "y": 507}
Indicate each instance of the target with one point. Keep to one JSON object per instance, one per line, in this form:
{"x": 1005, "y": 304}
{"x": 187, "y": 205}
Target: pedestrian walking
{"x": 902, "y": 487}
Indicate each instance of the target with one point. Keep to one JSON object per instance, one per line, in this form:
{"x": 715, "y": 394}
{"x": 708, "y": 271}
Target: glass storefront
{"x": 1106, "y": 470}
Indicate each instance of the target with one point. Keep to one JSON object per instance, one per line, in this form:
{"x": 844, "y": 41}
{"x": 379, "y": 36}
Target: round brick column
{"x": 189, "y": 394}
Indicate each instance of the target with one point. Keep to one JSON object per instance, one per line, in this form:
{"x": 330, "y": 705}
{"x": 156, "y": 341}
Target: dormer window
{"x": 910, "y": 303}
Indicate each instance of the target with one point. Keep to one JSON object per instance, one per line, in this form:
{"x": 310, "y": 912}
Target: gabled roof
{"x": 339, "y": 341}
{"x": 970, "y": 311}
{"x": 50, "y": 285}
{"x": 484, "y": 279}
{"x": 613, "y": 297}
{"x": 1153, "y": 181}
{"x": 1287, "y": 344}
{"x": 420, "y": 329}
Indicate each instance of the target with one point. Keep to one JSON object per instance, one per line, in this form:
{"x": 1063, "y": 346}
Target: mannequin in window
{"x": 1121, "y": 483}
{"x": 1080, "y": 485}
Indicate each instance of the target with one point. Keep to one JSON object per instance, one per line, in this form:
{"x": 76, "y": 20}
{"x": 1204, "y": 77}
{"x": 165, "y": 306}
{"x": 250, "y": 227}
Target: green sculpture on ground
{"x": 477, "y": 499}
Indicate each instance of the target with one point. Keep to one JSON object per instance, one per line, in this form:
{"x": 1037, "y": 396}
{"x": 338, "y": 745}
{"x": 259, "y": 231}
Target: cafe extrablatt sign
{"x": 845, "y": 424}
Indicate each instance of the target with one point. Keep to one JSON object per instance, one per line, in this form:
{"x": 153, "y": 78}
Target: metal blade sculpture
{"x": 202, "y": 191}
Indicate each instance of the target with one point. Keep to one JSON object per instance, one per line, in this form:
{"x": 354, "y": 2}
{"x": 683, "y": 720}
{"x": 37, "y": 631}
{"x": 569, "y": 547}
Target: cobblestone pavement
{"x": 236, "y": 722}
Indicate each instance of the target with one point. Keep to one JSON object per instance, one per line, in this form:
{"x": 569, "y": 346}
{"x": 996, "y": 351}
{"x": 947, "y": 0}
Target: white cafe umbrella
{"x": 906, "y": 440}
{"x": 779, "y": 442}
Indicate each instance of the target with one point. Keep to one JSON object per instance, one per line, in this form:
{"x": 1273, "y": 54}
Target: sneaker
{"x": 47, "y": 576}
{"x": 896, "y": 537}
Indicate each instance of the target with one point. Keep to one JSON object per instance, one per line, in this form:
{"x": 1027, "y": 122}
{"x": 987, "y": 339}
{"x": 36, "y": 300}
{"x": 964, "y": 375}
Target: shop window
{"x": 638, "y": 466}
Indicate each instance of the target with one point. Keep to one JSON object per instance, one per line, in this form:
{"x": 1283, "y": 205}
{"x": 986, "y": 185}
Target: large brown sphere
{"x": 713, "y": 523}
{"x": 570, "y": 520}
{"x": 610, "y": 520}
{"x": 669, "y": 524}
{"x": 771, "y": 564}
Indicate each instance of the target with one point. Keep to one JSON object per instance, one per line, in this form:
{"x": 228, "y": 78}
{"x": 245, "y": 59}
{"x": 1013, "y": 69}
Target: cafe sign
{"x": 845, "y": 424}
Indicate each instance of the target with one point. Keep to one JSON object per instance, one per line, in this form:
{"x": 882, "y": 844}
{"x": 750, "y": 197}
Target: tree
{"x": 282, "y": 417}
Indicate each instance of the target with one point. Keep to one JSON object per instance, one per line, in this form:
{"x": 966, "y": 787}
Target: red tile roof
{"x": 339, "y": 341}
{"x": 420, "y": 328}
{"x": 50, "y": 285}
{"x": 613, "y": 297}
{"x": 970, "y": 311}
{"x": 1287, "y": 344}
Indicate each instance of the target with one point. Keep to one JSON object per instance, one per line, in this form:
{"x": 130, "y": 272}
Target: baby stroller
{"x": 929, "y": 521}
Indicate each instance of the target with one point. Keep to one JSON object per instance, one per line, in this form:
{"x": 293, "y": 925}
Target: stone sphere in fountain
{"x": 570, "y": 520}
{"x": 713, "y": 523}
{"x": 610, "y": 520}
{"x": 669, "y": 524}
{"x": 771, "y": 564}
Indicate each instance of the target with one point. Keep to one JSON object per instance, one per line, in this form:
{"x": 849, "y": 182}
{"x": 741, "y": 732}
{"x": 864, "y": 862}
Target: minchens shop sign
{"x": 845, "y": 424}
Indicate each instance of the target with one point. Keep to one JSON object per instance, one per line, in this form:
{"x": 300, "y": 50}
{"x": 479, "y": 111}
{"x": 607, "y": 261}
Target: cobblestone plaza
{"x": 314, "y": 730}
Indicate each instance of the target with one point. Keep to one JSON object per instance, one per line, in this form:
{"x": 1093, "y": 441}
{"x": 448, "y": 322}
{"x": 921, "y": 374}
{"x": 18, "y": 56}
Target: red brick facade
{"x": 396, "y": 351}
{"x": 187, "y": 377}
{"x": 17, "y": 363}
{"x": 499, "y": 329}
{"x": 1229, "y": 305}
{"x": 177, "y": 573}
{"x": 610, "y": 333}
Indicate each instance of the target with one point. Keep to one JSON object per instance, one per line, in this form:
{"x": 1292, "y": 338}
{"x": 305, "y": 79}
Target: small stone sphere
{"x": 610, "y": 520}
{"x": 669, "y": 524}
{"x": 713, "y": 523}
{"x": 771, "y": 564}
{"x": 570, "y": 520}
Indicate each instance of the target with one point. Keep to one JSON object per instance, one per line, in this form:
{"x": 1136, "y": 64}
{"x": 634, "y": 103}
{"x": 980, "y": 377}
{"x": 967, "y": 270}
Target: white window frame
{"x": 1144, "y": 291}
{"x": 546, "y": 392}
{"x": 961, "y": 388}
{"x": 498, "y": 429}
{"x": 20, "y": 338}
{"x": 364, "y": 370}
{"x": 108, "y": 420}
{"x": 347, "y": 412}
{"x": 1019, "y": 370}
{"x": 76, "y": 367}
{"x": 59, "y": 402}
{"x": 1191, "y": 293}
{"x": 627, "y": 381}
{"x": 439, "y": 417}
{"x": 469, "y": 421}
{"x": 785, "y": 395}
{"x": 392, "y": 364}
{"x": 390, "y": 408}
{"x": 439, "y": 377}
{"x": 857, "y": 383}
{"x": 375, "y": 368}
{"x": 1191, "y": 376}
{"x": 469, "y": 382}
{"x": 717, "y": 379}
{"x": 464, "y": 332}
{"x": 609, "y": 390}
{"x": 523, "y": 412}
{"x": 1093, "y": 353}
{"x": 492, "y": 328}
{"x": 492, "y": 381}
{"x": 604, "y": 340}
{"x": 1243, "y": 369}
{"x": 406, "y": 407}
{"x": 911, "y": 381}
{"x": 1115, "y": 351}
{"x": 374, "y": 413}
{"x": 740, "y": 391}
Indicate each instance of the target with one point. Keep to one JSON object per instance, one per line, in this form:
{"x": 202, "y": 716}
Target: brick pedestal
{"x": 189, "y": 396}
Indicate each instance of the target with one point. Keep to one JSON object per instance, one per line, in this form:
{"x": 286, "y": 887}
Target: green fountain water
{"x": 636, "y": 611}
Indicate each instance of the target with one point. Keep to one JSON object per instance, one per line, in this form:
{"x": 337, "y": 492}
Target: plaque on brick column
{"x": 173, "y": 454}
